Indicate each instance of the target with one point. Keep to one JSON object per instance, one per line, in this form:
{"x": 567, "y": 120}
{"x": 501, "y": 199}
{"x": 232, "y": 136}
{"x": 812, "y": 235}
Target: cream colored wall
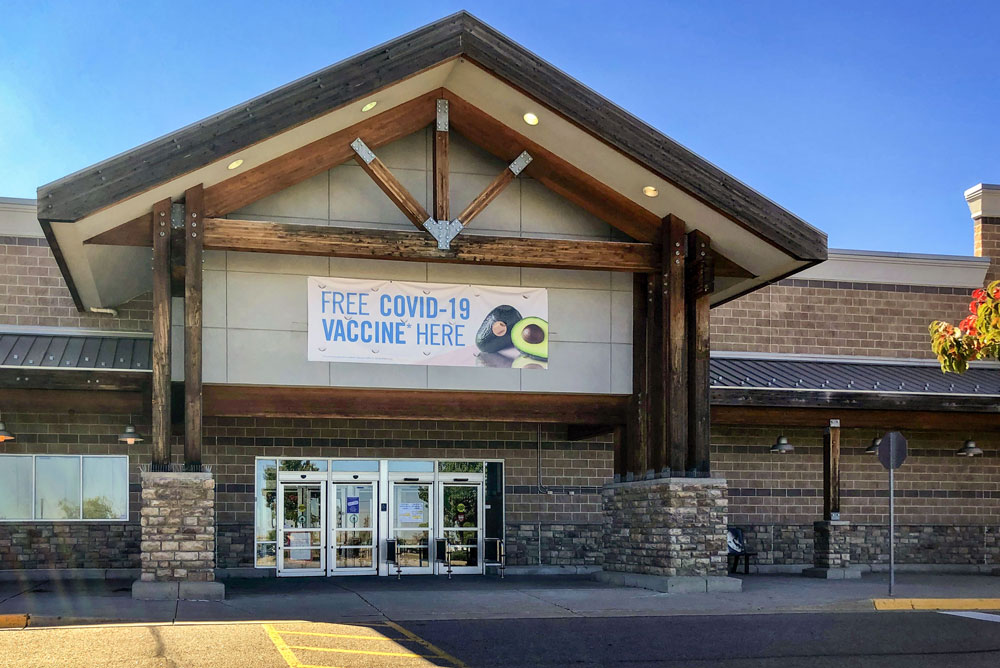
{"x": 255, "y": 304}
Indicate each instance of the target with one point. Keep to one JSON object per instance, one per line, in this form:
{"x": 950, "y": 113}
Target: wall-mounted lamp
{"x": 873, "y": 448}
{"x": 4, "y": 434}
{"x": 782, "y": 446}
{"x": 969, "y": 449}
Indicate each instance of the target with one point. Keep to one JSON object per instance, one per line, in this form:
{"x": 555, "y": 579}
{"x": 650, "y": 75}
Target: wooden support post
{"x": 441, "y": 169}
{"x": 636, "y": 465}
{"x": 656, "y": 422}
{"x": 194, "y": 228}
{"x": 160, "y": 391}
{"x": 620, "y": 452}
{"x": 831, "y": 471}
{"x": 675, "y": 342}
{"x": 700, "y": 285}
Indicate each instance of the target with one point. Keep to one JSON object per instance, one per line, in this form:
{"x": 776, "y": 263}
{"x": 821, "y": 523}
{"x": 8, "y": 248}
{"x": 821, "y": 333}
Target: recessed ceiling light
{"x": 530, "y": 118}
{"x": 369, "y": 106}
{"x": 235, "y": 164}
{"x": 650, "y": 191}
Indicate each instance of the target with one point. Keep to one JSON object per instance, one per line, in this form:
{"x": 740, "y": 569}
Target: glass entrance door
{"x": 461, "y": 525}
{"x": 353, "y": 528}
{"x": 410, "y": 525}
{"x": 301, "y": 544}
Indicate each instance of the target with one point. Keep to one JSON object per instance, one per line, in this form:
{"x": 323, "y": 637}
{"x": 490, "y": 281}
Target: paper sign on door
{"x": 353, "y": 505}
{"x": 411, "y": 513}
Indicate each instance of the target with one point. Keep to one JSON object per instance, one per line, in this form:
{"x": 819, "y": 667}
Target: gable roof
{"x": 460, "y": 35}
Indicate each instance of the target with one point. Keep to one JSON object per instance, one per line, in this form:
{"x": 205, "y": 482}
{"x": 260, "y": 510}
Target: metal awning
{"x": 76, "y": 351}
{"x": 910, "y": 377}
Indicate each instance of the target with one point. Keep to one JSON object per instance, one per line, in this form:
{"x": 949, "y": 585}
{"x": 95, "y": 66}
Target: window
{"x": 63, "y": 487}
{"x": 266, "y": 532}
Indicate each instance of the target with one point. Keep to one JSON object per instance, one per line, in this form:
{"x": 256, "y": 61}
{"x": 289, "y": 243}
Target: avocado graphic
{"x": 531, "y": 337}
{"x": 494, "y": 333}
{"x": 493, "y": 360}
{"x": 526, "y": 362}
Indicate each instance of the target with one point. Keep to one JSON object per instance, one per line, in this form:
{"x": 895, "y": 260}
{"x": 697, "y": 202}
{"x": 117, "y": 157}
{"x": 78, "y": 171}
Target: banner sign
{"x": 396, "y": 322}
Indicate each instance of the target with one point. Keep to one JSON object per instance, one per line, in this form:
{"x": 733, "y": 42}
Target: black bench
{"x": 737, "y": 549}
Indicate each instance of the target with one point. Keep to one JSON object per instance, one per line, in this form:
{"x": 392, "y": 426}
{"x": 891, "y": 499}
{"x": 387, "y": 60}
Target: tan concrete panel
{"x": 308, "y": 199}
{"x": 268, "y": 357}
{"x": 473, "y": 378}
{"x": 621, "y": 368}
{"x": 503, "y": 213}
{"x": 573, "y": 367}
{"x": 346, "y": 374}
{"x": 621, "y": 317}
{"x": 267, "y": 301}
{"x": 355, "y": 197}
{"x": 580, "y": 315}
{"x": 272, "y": 263}
{"x": 544, "y": 211}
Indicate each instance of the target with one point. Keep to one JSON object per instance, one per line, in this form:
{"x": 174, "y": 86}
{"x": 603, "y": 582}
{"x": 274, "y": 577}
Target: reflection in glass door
{"x": 353, "y": 532}
{"x": 302, "y": 550}
{"x": 461, "y": 526}
{"x": 410, "y": 525}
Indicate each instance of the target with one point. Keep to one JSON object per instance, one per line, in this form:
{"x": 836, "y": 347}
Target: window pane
{"x": 266, "y": 555}
{"x": 105, "y": 488}
{"x": 406, "y": 466}
{"x": 15, "y": 488}
{"x": 267, "y": 500}
{"x": 57, "y": 488}
{"x": 355, "y": 465}
{"x": 303, "y": 464}
{"x": 460, "y": 467}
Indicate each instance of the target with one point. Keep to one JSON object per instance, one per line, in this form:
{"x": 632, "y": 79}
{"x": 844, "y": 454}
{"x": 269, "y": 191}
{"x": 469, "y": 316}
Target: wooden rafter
{"x": 323, "y": 154}
{"x": 552, "y": 171}
{"x": 389, "y": 184}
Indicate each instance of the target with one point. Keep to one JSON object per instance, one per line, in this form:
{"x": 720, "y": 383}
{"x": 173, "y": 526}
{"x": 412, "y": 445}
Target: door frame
{"x": 339, "y": 478}
{"x": 478, "y": 482}
{"x": 303, "y": 480}
{"x": 411, "y": 478}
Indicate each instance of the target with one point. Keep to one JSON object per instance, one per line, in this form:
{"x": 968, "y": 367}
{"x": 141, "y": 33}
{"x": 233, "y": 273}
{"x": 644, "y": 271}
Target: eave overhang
{"x": 457, "y": 53}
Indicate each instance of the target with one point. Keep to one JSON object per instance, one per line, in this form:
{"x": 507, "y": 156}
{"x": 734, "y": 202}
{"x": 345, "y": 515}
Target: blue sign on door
{"x": 353, "y": 505}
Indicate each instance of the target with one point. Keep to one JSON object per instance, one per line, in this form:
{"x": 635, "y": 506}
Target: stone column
{"x": 667, "y": 534}
{"x": 832, "y": 551}
{"x": 177, "y": 551}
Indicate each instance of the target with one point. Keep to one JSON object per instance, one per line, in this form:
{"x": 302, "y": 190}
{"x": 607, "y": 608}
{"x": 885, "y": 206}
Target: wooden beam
{"x": 552, "y": 171}
{"x": 388, "y": 404}
{"x": 831, "y": 471}
{"x": 583, "y": 432}
{"x": 494, "y": 189}
{"x": 63, "y": 402}
{"x": 675, "y": 341}
{"x": 290, "y": 239}
{"x": 441, "y": 168}
{"x": 34, "y": 378}
{"x": 389, "y": 184}
{"x": 878, "y": 420}
{"x": 848, "y": 402}
{"x": 699, "y": 284}
{"x": 637, "y": 463}
{"x": 619, "y": 435}
{"x": 194, "y": 226}
{"x": 161, "y": 334}
{"x": 312, "y": 159}
{"x": 657, "y": 408}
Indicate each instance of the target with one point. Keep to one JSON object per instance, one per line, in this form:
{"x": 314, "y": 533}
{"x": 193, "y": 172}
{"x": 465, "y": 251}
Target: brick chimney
{"x": 984, "y": 204}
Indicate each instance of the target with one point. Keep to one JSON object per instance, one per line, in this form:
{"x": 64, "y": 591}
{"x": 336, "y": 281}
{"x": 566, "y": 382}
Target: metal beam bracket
{"x": 363, "y": 151}
{"x": 520, "y": 162}
{"x": 444, "y": 231}
{"x": 442, "y": 116}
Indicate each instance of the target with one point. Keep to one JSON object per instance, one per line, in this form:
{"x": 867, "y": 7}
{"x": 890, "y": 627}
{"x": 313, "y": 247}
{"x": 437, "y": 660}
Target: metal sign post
{"x": 892, "y": 454}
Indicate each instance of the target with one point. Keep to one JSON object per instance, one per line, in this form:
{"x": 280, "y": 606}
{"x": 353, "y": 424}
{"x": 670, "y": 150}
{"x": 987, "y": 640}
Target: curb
{"x": 936, "y": 603}
{"x": 13, "y": 621}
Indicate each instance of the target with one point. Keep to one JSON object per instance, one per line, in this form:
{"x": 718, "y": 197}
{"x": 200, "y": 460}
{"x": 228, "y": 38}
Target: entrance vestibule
{"x": 335, "y": 516}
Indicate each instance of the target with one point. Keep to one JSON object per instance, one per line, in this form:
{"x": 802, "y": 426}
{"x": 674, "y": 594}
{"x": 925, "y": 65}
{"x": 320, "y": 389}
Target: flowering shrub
{"x": 976, "y": 337}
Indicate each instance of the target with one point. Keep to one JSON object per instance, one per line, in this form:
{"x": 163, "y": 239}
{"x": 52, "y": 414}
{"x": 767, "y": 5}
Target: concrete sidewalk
{"x": 431, "y": 598}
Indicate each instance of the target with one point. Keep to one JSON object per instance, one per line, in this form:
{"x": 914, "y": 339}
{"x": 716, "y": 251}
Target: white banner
{"x": 394, "y": 322}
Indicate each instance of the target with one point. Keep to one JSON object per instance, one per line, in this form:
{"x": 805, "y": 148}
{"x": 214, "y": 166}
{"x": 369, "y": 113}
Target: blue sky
{"x": 867, "y": 119}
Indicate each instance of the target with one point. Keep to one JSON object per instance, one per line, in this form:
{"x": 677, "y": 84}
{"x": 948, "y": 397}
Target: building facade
{"x": 167, "y": 290}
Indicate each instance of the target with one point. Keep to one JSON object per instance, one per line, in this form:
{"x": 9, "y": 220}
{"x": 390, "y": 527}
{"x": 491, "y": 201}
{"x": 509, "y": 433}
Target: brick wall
{"x": 986, "y": 234}
{"x": 836, "y": 318}
{"x": 33, "y": 292}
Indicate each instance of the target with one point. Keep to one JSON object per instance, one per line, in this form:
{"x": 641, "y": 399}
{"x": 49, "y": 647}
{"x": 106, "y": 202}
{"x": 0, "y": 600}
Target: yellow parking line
{"x": 342, "y": 635}
{"x": 440, "y": 653}
{"x": 936, "y": 603}
{"x": 286, "y": 653}
{"x": 408, "y": 655}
